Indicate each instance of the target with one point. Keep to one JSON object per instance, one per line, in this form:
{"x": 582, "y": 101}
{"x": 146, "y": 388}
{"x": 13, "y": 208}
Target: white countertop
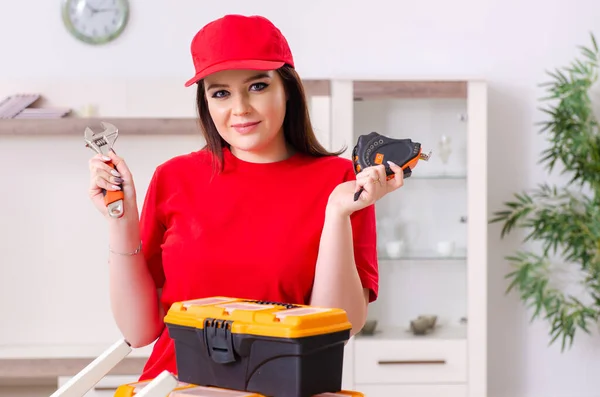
{"x": 65, "y": 351}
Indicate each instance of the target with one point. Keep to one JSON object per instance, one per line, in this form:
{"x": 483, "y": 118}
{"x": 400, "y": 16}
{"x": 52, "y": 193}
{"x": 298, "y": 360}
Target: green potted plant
{"x": 562, "y": 223}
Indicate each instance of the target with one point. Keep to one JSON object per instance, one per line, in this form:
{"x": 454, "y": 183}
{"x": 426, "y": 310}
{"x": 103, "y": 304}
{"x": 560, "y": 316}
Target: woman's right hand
{"x": 102, "y": 176}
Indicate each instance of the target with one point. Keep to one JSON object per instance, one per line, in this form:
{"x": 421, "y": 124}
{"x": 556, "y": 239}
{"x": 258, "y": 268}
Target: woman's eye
{"x": 219, "y": 94}
{"x": 258, "y": 86}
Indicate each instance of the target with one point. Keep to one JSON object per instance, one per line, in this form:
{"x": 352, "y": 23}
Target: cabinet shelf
{"x": 444, "y": 331}
{"x": 424, "y": 257}
{"x": 76, "y": 126}
{"x": 460, "y": 177}
{"x": 382, "y": 89}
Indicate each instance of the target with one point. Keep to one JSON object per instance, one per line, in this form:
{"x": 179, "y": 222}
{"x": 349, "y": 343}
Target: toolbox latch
{"x": 219, "y": 340}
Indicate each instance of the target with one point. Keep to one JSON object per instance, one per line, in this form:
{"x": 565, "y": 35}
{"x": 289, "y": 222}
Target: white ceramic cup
{"x": 445, "y": 248}
{"x": 394, "y": 249}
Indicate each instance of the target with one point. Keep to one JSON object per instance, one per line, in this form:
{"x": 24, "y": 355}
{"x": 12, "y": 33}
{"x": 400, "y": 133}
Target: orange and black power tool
{"x": 374, "y": 149}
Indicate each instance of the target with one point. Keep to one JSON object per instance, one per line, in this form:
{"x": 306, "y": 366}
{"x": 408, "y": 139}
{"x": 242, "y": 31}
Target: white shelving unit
{"x": 440, "y": 202}
{"x": 431, "y": 233}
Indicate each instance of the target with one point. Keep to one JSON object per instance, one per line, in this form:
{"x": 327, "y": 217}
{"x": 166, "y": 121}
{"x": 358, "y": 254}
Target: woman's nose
{"x": 241, "y": 105}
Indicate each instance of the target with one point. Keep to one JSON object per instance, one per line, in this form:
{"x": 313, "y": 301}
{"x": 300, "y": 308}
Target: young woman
{"x": 262, "y": 212}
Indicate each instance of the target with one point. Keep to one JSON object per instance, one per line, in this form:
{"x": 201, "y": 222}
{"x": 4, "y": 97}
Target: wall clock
{"x": 95, "y": 21}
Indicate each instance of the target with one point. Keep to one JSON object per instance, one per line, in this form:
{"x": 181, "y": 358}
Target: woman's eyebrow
{"x": 255, "y": 77}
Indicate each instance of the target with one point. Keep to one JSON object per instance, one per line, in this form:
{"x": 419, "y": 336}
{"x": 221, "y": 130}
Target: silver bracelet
{"x": 135, "y": 252}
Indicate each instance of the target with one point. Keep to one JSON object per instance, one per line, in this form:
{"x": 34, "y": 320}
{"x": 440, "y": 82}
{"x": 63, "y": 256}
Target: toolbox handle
{"x": 218, "y": 340}
{"x": 262, "y": 302}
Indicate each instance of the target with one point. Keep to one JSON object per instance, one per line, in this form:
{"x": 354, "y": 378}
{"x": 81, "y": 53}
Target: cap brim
{"x": 250, "y": 64}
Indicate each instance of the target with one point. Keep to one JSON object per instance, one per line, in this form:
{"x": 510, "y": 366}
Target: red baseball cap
{"x": 238, "y": 42}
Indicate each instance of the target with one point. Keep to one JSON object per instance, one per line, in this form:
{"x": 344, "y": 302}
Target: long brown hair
{"x": 297, "y": 126}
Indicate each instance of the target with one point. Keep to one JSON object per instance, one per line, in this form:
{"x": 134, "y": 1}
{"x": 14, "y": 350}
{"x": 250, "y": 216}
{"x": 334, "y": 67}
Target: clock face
{"x": 95, "y": 21}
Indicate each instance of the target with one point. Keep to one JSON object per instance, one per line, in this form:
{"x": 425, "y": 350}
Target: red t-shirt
{"x": 251, "y": 232}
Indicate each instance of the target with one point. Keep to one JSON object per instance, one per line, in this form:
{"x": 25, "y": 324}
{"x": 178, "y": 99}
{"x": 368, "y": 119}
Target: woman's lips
{"x": 244, "y": 128}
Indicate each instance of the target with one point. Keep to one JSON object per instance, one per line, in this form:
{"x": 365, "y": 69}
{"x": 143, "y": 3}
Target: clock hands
{"x": 97, "y": 10}
{"x": 94, "y": 11}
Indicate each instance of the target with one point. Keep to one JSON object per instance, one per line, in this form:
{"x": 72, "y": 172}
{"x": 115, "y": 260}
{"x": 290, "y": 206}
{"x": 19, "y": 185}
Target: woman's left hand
{"x": 373, "y": 180}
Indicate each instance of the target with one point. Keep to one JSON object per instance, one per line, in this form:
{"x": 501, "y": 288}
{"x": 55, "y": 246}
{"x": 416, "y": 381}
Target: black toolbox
{"x": 274, "y": 349}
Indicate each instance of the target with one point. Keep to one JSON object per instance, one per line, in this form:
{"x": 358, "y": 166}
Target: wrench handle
{"x": 113, "y": 199}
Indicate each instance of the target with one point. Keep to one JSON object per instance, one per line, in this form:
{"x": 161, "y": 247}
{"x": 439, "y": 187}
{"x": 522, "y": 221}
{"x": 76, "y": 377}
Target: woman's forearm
{"x": 337, "y": 283}
{"x": 133, "y": 296}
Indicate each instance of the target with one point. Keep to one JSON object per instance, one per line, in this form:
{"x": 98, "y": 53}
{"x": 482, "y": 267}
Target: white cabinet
{"x": 432, "y": 242}
{"x": 106, "y": 387}
{"x": 348, "y": 370}
{"x": 57, "y": 263}
{"x": 432, "y": 233}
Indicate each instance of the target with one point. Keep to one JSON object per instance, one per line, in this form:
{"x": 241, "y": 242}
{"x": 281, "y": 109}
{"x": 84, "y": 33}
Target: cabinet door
{"x": 410, "y": 361}
{"x": 348, "y": 371}
{"x": 106, "y": 387}
{"x": 49, "y": 254}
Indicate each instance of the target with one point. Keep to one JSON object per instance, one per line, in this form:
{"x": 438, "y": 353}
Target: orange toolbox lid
{"x": 258, "y": 317}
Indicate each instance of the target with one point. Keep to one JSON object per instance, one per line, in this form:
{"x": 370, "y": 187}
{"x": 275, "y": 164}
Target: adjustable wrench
{"x": 102, "y": 142}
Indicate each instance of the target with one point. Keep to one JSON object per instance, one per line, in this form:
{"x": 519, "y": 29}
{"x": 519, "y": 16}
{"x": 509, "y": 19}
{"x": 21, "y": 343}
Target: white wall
{"x": 510, "y": 43}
